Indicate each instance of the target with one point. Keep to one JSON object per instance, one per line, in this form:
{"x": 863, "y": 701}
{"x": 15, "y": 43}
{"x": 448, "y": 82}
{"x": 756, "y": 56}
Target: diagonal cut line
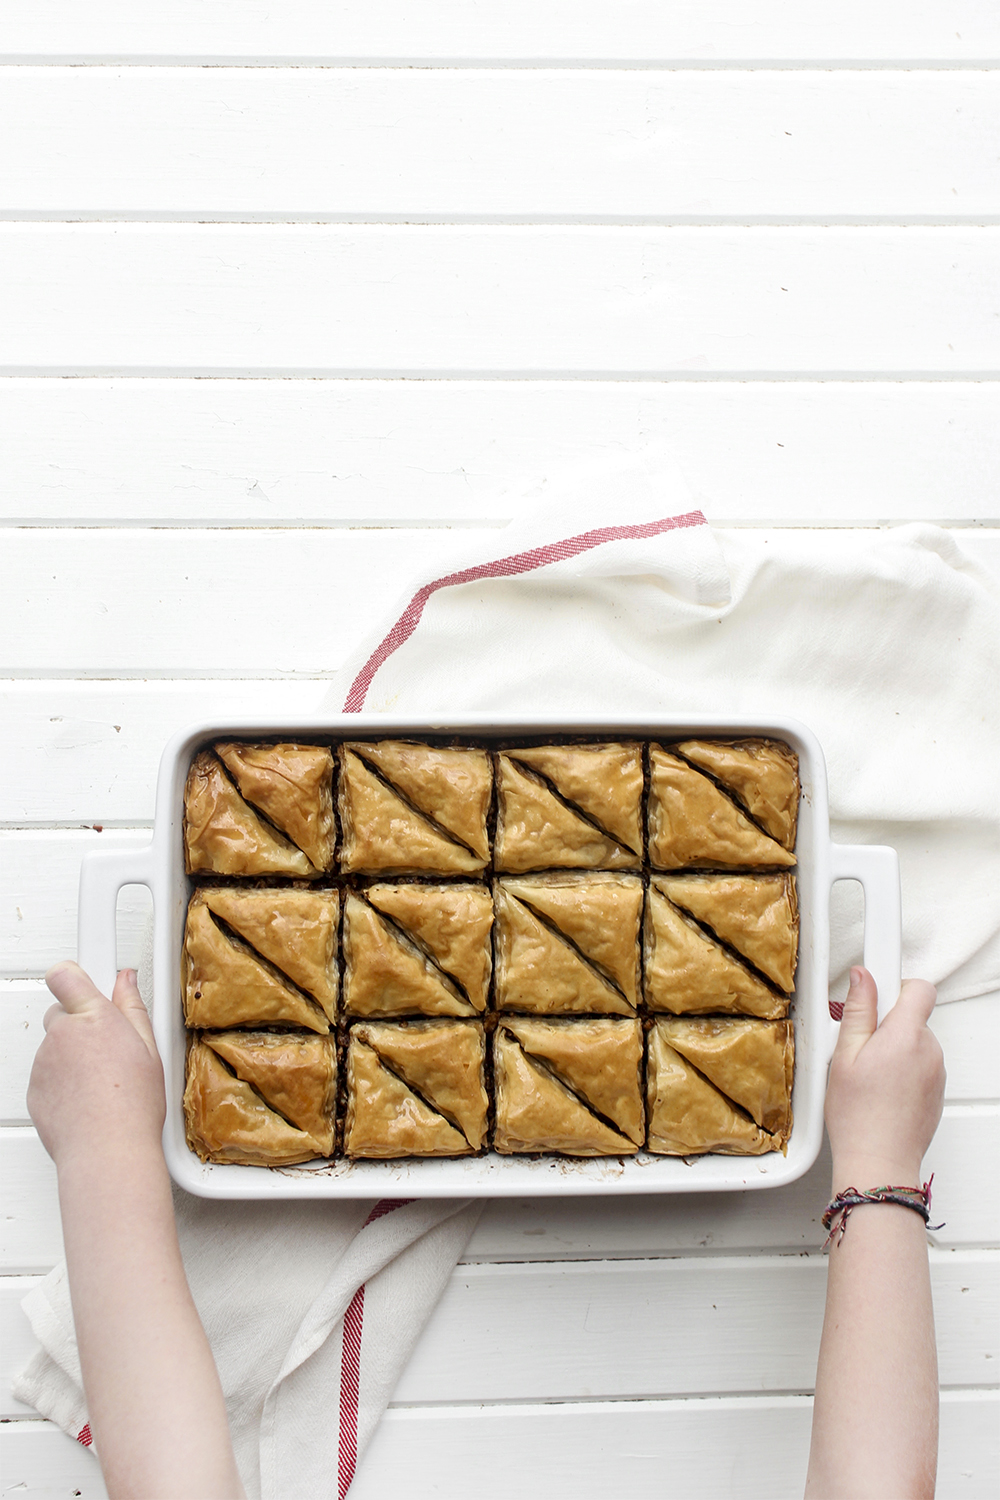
{"x": 734, "y": 954}
{"x": 400, "y": 1077}
{"x": 550, "y": 786}
{"x": 407, "y": 940}
{"x": 543, "y": 1066}
{"x": 258, "y": 811}
{"x": 254, "y": 1088}
{"x": 557, "y": 932}
{"x": 278, "y": 975}
{"x": 418, "y": 812}
{"x": 736, "y": 1108}
{"x": 730, "y": 796}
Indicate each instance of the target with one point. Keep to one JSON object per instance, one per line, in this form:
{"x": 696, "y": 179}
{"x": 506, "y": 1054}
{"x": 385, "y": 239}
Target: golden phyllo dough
{"x": 408, "y": 809}
{"x": 417, "y": 949}
{"x": 260, "y": 1098}
{"x": 292, "y": 785}
{"x": 223, "y": 835}
{"x": 537, "y": 829}
{"x": 761, "y": 774}
{"x": 415, "y": 1088}
{"x": 720, "y": 1084}
{"x": 603, "y": 781}
{"x": 260, "y": 957}
{"x": 567, "y": 1086}
{"x": 687, "y": 971}
{"x": 568, "y": 943}
{"x": 758, "y": 915}
{"x": 692, "y": 824}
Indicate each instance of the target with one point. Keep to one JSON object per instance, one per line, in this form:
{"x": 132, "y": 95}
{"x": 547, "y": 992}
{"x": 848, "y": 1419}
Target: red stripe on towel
{"x": 350, "y": 1367}
{"x": 85, "y": 1436}
{"x": 501, "y": 567}
{"x": 350, "y": 1373}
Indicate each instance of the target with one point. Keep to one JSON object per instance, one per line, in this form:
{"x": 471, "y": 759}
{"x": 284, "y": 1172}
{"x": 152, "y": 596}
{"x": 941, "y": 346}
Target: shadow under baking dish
{"x": 493, "y": 1175}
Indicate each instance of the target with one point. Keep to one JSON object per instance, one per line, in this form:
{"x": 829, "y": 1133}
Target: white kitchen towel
{"x": 617, "y": 598}
{"x": 312, "y": 1311}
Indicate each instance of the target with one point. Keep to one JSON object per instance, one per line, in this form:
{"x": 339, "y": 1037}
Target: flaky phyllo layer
{"x": 398, "y": 949}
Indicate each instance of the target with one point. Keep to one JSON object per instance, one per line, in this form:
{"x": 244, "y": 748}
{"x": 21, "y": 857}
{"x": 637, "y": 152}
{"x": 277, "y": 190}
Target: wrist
{"x": 127, "y": 1158}
{"x": 868, "y": 1170}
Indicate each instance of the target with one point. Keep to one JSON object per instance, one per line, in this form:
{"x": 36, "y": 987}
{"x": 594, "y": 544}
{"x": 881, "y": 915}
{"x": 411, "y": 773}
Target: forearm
{"x": 153, "y": 1395}
{"x": 876, "y": 1412}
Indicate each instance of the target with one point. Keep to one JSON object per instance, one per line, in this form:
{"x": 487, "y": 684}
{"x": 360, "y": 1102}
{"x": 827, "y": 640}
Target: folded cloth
{"x": 311, "y": 1309}
{"x": 618, "y": 598}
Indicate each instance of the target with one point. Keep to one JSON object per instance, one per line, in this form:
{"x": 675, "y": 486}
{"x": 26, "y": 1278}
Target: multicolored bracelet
{"x": 919, "y": 1199}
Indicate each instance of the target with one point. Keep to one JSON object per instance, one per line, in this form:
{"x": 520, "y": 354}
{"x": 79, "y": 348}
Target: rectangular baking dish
{"x": 160, "y": 866}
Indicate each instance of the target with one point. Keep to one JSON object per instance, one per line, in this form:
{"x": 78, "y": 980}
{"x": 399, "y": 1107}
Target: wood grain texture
{"x": 714, "y": 33}
{"x": 378, "y": 453}
{"x": 454, "y": 145}
{"x": 515, "y": 300}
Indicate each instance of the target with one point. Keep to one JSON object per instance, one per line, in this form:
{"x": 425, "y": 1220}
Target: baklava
{"x": 572, "y": 1086}
{"x": 719, "y": 1084}
{"x": 417, "y": 949}
{"x": 260, "y": 810}
{"x": 260, "y": 1098}
{"x": 415, "y": 1088}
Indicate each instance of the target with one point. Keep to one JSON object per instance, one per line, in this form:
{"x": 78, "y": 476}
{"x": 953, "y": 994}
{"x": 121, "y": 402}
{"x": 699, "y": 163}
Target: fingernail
{"x": 855, "y": 978}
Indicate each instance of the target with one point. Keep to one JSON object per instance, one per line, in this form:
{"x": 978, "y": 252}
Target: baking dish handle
{"x": 877, "y": 868}
{"x": 103, "y": 872}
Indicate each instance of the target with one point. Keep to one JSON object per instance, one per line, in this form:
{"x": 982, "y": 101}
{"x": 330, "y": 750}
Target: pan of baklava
{"x": 399, "y": 958}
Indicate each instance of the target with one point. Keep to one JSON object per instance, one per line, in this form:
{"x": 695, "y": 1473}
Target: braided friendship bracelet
{"x": 919, "y": 1199}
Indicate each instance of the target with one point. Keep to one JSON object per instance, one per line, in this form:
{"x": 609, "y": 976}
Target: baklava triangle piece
{"x": 535, "y": 831}
{"x": 599, "y": 913}
{"x": 296, "y": 1075}
{"x": 539, "y": 970}
{"x": 686, "y": 971}
{"x": 385, "y": 975}
{"x": 604, "y": 780}
{"x": 762, "y": 774}
{"x": 535, "y": 1112}
{"x": 293, "y": 786}
{"x": 758, "y": 915}
{"x": 225, "y": 985}
{"x": 224, "y": 836}
{"x": 228, "y": 1121}
{"x": 386, "y": 1119}
{"x": 750, "y": 1062}
{"x": 688, "y": 1115}
{"x": 383, "y": 834}
{"x": 600, "y": 1061}
{"x": 295, "y": 930}
{"x": 693, "y": 823}
{"x": 452, "y": 922}
{"x": 442, "y": 1062}
{"x": 453, "y": 787}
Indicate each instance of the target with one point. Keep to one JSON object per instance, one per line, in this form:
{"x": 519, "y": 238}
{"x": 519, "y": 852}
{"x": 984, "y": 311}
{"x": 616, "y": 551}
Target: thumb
{"x": 74, "y": 989}
{"x": 127, "y": 998}
{"x": 860, "y": 1013}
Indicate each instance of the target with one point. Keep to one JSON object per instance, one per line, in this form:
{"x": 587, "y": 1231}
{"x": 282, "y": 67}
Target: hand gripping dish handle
{"x": 877, "y": 868}
{"x": 102, "y": 875}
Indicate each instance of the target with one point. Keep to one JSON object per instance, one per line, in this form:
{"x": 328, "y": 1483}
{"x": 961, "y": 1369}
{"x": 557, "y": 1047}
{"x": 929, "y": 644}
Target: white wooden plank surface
{"x": 627, "y": 1329}
{"x": 457, "y": 145}
{"x": 712, "y": 32}
{"x": 710, "y": 1448}
{"x": 527, "y": 300}
{"x": 371, "y": 452}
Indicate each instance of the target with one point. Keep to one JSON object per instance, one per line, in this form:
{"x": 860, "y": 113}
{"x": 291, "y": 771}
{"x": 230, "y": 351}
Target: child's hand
{"x": 97, "y": 1083}
{"x": 886, "y": 1087}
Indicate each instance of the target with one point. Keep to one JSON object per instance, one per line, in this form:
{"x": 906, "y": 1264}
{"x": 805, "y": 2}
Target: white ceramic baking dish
{"x": 160, "y": 866}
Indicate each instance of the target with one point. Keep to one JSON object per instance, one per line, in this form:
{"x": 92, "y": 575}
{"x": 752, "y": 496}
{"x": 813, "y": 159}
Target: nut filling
{"x": 401, "y": 948}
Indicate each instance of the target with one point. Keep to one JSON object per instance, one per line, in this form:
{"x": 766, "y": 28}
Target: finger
{"x": 74, "y": 989}
{"x": 860, "y": 1013}
{"x": 916, "y": 1001}
{"x": 126, "y": 997}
